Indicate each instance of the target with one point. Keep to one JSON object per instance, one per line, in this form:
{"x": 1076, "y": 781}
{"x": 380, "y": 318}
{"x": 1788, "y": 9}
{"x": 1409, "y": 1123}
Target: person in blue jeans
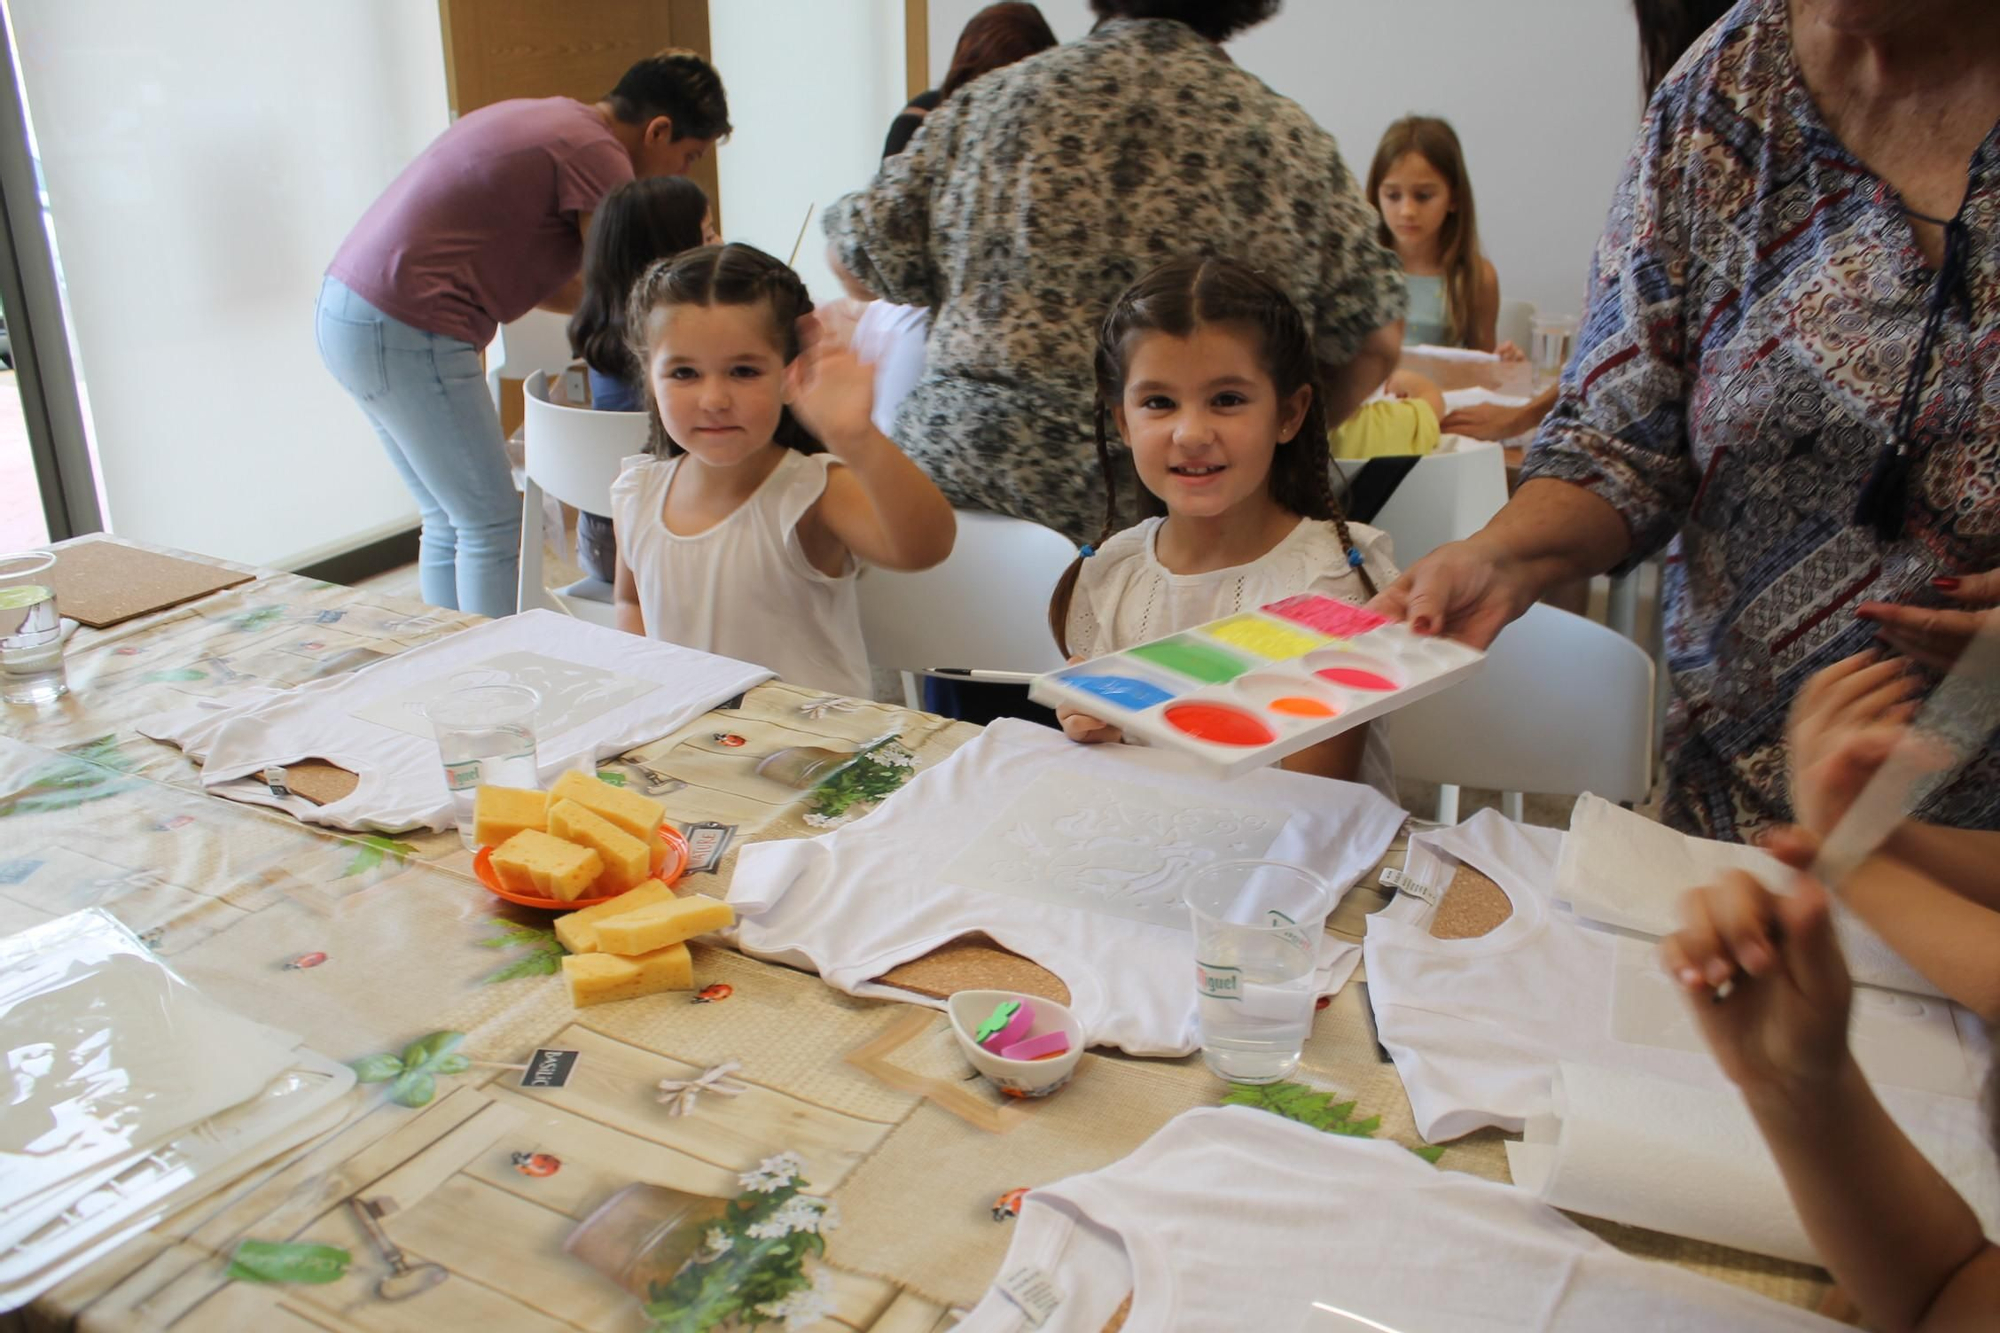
{"x": 639, "y": 222}
{"x": 486, "y": 224}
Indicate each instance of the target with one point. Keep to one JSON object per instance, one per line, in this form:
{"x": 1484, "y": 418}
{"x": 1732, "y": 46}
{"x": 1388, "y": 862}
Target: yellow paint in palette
{"x": 1266, "y": 638}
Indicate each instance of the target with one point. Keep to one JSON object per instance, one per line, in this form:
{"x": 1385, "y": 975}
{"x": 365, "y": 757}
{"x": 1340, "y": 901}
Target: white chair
{"x": 572, "y": 454}
{"x": 1516, "y": 323}
{"x": 981, "y": 615}
{"x": 538, "y": 340}
{"x": 1562, "y": 705}
{"x": 1445, "y": 497}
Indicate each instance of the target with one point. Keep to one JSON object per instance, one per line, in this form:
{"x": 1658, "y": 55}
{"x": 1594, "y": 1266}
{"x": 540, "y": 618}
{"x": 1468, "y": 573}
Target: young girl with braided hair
{"x": 1207, "y": 370}
{"x": 766, "y": 484}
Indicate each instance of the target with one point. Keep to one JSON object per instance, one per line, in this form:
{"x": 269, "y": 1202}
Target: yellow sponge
{"x": 629, "y": 810}
{"x": 578, "y": 930}
{"x": 627, "y": 860}
{"x": 597, "y": 978}
{"x": 498, "y": 813}
{"x": 647, "y": 928}
{"x": 533, "y": 862}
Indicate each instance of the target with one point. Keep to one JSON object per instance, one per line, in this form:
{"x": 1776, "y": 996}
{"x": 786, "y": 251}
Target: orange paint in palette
{"x": 1250, "y": 688}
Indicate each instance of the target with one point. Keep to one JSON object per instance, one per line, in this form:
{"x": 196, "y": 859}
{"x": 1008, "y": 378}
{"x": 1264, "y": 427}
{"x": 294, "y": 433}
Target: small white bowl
{"x": 1017, "y": 1078}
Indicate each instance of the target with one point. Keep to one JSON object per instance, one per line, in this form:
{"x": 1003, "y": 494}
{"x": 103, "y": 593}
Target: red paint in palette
{"x": 1354, "y": 678}
{"x": 1219, "y": 725}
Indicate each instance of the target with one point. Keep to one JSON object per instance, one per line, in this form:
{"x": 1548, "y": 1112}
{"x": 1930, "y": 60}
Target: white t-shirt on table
{"x": 1232, "y": 1219}
{"x": 744, "y": 588}
{"x": 1069, "y": 855}
{"x": 1124, "y": 596}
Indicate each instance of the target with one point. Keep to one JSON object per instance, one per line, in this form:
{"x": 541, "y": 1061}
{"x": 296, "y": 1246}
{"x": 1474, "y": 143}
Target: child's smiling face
{"x": 717, "y": 373}
{"x": 1203, "y": 419}
{"x": 1414, "y": 200}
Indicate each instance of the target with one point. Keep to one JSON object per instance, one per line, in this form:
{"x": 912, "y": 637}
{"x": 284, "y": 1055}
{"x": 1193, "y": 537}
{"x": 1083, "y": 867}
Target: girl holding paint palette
{"x": 1210, "y": 374}
{"x": 741, "y": 531}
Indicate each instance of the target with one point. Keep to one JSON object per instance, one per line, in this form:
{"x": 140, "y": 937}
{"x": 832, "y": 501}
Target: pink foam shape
{"x": 1035, "y": 1048}
{"x": 1017, "y": 1028}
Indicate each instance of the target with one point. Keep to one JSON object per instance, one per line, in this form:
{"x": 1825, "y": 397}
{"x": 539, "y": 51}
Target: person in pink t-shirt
{"x": 484, "y": 226}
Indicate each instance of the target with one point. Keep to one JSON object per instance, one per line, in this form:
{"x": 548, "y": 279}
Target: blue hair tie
{"x": 1086, "y": 551}
{"x": 1353, "y": 558}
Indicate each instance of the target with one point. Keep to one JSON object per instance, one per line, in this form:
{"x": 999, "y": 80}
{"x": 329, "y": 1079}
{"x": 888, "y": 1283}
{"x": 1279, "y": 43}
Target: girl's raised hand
{"x": 1783, "y": 1027}
{"x": 831, "y": 389}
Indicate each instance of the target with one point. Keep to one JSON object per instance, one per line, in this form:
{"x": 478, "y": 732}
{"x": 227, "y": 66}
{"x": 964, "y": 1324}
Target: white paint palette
{"x": 1245, "y": 691}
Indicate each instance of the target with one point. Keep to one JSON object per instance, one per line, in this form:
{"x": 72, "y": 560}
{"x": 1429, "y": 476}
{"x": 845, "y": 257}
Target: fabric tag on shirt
{"x": 1032, "y": 1291}
{"x": 1404, "y": 882}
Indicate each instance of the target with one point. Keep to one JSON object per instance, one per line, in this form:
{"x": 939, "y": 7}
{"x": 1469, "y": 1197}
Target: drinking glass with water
{"x": 485, "y": 736}
{"x": 1258, "y": 926}
{"x": 31, "y": 632}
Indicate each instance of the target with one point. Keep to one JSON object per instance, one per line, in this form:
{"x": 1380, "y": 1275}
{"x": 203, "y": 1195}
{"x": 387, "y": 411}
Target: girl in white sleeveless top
{"x": 741, "y": 531}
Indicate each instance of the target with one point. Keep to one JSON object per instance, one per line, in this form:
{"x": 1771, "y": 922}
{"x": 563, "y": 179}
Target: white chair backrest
{"x": 1562, "y": 705}
{"x": 1444, "y": 498}
{"x": 1516, "y": 323}
{"x": 538, "y": 340}
{"x": 573, "y": 452}
{"x": 985, "y": 608}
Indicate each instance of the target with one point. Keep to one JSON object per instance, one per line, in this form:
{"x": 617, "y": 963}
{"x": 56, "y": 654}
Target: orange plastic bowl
{"x": 668, "y": 867}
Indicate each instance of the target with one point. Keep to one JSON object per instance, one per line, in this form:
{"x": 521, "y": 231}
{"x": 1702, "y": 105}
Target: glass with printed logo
{"x": 486, "y": 737}
{"x": 1258, "y": 926}
{"x": 31, "y": 636}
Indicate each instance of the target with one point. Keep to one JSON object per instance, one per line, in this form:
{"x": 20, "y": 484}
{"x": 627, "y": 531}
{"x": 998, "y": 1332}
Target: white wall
{"x": 202, "y": 167}
{"x": 1544, "y": 95}
{"x": 813, "y": 85}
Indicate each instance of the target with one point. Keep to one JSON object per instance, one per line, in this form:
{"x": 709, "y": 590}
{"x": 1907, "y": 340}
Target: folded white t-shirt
{"x": 604, "y": 692}
{"x": 1070, "y": 855}
{"x": 1231, "y": 1219}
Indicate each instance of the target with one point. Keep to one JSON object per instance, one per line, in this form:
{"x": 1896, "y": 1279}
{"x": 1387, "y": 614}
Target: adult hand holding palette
{"x": 1249, "y": 689}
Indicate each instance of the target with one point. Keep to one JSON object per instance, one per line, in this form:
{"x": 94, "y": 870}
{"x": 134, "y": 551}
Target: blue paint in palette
{"x": 1124, "y": 691}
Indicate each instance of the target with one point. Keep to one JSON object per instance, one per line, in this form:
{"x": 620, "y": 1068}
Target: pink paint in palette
{"x": 1245, "y": 691}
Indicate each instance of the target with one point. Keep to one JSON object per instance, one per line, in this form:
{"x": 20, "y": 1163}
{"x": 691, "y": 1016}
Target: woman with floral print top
{"x": 1811, "y": 214}
{"x": 1041, "y": 190}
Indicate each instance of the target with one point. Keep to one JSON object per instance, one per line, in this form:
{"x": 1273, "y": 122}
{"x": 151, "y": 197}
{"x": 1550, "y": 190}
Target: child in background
{"x": 1208, "y": 371}
{"x": 1403, "y": 420}
{"x": 1419, "y": 185}
{"x": 739, "y": 532}
{"x": 655, "y": 217}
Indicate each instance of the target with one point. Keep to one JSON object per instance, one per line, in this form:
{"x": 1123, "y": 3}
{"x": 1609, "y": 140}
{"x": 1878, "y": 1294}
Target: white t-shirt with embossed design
{"x": 1069, "y": 855}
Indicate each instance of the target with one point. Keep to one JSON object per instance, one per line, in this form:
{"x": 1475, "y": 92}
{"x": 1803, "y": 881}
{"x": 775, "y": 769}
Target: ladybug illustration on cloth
{"x": 731, "y": 739}
{"x": 720, "y": 990}
{"x": 1008, "y": 1205}
{"x": 536, "y": 1164}
{"x": 304, "y": 960}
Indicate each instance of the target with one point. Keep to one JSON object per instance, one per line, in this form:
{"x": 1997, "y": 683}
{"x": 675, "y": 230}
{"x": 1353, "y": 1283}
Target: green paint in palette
{"x": 1193, "y": 659}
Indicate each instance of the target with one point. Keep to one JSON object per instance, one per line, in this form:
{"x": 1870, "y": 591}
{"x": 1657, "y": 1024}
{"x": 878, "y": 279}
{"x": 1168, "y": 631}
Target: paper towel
{"x": 1624, "y": 870}
{"x": 1688, "y": 1161}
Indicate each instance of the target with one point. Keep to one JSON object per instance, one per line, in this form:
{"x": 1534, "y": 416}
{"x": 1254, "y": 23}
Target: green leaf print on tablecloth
{"x": 544, "y": 960}
{"x": 373, "y": 851}
{"x": 288, "y": 1261}
{"x": 416, "y": 1071}
{"x": 91, "y": 771}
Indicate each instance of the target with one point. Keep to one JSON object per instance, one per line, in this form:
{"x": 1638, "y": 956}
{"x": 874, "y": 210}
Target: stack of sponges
{"x": 584, "y": 837}
{"x": 636, "y": 944}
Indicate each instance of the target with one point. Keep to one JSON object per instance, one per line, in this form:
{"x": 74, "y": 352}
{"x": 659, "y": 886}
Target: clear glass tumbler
{"x": 485, "y": 736}
{"x": 1257, "y": 932}
{"x": 31, "y": 636}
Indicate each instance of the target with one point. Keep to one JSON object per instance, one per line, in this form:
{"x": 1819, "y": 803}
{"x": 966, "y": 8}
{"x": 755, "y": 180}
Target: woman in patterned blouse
{"x": 1791, "y": 368}
{"x": 1042, "y": 190}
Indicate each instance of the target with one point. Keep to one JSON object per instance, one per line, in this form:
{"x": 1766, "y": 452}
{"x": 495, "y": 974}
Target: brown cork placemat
{"x": 974, "y": 962}
{"x": 100, "y": 583}
{"x": 1472, "y": 906}
{"x": 320, "y": 782}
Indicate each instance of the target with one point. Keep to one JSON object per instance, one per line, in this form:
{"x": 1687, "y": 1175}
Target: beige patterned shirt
{"x": 1032, "y": 197}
